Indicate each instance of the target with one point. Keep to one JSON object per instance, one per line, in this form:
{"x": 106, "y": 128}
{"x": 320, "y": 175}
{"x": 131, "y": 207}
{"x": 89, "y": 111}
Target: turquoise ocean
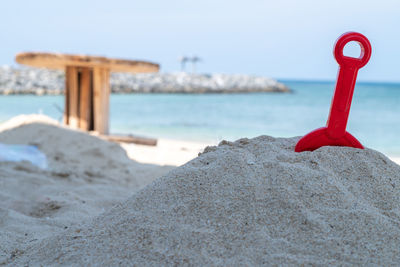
{"x": 374, "y": 116}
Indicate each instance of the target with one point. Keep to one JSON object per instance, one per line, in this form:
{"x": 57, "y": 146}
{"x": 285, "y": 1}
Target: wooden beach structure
{"x": 87, "y": 86}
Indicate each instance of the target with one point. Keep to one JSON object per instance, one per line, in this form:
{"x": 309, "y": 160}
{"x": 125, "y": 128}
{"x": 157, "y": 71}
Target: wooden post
{"x": 87, "y": 98}
{"x": 101, "y": 97}
{"x": 66, "y": 101}
{"x": 71, "y": 85}
{"x": 85, "y": 101}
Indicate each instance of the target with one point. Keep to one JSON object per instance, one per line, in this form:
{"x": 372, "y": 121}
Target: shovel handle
{"x": 346, "y": 80}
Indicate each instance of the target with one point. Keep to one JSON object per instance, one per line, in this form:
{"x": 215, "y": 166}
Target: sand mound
{"x": 86, "y": 176}
{"x": 74, "y": 153}
{"x": 250, "y": 202}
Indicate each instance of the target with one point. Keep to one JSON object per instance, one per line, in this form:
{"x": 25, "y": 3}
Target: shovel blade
{"x": 319, "y": 138}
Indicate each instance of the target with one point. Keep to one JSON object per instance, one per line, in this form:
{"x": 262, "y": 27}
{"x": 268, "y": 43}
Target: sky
{"x": 283, "y": 39}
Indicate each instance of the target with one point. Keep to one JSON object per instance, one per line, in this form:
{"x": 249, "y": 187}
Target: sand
{"x": 396, "y": 159}
{"x": 167, "y": 152}
{"x": 86, "y": 176}
{"x": 251, "y": 202}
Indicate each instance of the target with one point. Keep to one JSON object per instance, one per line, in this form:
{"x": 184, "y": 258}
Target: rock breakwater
{"x": 44, "y": 81}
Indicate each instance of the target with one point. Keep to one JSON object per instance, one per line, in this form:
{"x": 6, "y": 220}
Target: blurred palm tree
{"x": 183, "y": 61}
{"x": 194, "y": 60}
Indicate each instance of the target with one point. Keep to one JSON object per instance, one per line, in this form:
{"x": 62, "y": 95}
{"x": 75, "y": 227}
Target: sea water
{"x": 374, "y": 117}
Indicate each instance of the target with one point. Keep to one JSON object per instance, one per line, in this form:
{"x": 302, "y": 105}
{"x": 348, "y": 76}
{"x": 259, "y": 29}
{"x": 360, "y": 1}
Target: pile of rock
{"x": 44, "y": 81}
{"x": 193, "y": 83}
{"x": 31, "y": 81}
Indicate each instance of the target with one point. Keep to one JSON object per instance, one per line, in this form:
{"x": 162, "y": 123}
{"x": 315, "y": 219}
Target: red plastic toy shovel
{"x": 334, "y": 134}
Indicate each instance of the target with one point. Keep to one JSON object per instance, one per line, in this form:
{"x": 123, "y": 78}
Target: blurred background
{"x": 281, "y": 39}
{"x": 291, "y": 41}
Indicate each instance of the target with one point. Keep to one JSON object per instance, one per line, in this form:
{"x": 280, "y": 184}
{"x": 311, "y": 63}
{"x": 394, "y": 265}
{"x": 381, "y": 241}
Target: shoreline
{"x": 167, "y": 152}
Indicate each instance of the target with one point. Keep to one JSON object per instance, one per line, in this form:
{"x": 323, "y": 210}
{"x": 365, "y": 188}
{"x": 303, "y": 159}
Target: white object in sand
{"x": 17, "y": 153}
{"x": 251, "y": 202}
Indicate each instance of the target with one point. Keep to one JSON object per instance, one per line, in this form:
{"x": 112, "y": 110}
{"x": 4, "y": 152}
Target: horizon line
{"x": 333, "y": 81}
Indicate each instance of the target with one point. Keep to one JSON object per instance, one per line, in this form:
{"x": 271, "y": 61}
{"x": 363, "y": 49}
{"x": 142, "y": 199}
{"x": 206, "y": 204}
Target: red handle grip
{"x": 346, "y": 80}
{"x": 365, "y": 46}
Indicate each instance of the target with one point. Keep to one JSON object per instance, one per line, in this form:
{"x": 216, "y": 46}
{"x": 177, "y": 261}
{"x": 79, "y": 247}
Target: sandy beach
{"x": 396, "y": 159}
{"x": 85, "y": 177}
{"x": 167, "y": 152}
{"x": 96, "y": 196}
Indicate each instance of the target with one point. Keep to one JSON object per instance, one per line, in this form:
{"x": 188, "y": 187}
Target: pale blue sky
{"x": 280, "y": 39}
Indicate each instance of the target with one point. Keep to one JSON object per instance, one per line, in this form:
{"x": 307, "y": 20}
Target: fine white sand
{"x": 396, "y": 159}
{"x": 251, "y": 202}
{"x": 167, "y": 152}
{"x": 86, "y": 177}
